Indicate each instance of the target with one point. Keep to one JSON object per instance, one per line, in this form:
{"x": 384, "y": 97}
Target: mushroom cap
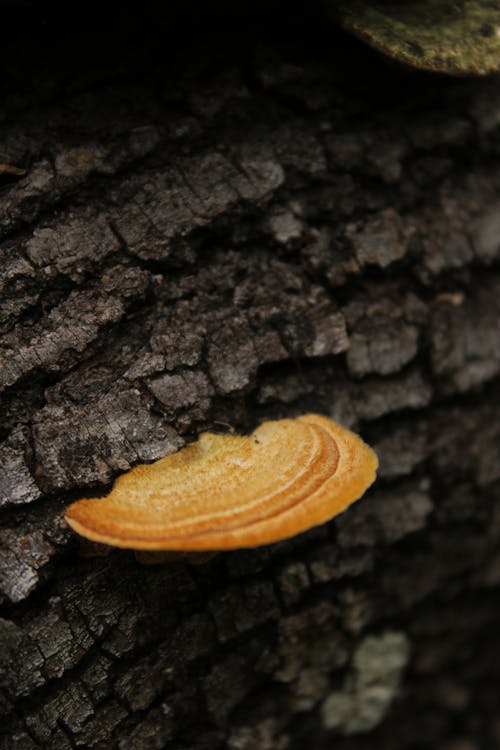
{"x": 228, "y": 491}
{"x": 458, "y": 38}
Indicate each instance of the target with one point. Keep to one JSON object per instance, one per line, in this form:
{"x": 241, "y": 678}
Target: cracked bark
{"x": 213, "y": 236}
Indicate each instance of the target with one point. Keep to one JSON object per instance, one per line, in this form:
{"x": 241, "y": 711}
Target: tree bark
{"x": 229, "y": 228}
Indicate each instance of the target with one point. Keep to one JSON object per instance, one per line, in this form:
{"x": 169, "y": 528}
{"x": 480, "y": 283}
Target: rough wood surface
{"x": 211, "y": 235}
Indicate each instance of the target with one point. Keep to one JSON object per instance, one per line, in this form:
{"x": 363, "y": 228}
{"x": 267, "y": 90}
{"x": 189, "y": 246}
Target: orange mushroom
{"x": 230, "y": 491}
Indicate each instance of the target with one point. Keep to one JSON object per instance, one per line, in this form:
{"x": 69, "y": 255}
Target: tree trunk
{"x": 203, "y": 228}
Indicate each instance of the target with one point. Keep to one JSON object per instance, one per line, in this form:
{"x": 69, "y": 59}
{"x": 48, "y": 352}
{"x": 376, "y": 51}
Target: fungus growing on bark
{"x": 446, "y": 37}
{"x": 231, "y": 491}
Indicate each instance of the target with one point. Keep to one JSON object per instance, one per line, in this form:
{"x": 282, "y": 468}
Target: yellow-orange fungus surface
{"x": 230, "y": 491}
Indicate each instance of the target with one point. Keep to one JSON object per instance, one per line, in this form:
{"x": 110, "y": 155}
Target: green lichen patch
{"x": 458, "y": 38}
{"x": 370, "y": 686}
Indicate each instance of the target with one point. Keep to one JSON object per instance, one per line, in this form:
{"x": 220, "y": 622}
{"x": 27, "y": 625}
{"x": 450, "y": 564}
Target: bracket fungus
{"x": 230, "y": 491}
{"x": 456, "y": 38}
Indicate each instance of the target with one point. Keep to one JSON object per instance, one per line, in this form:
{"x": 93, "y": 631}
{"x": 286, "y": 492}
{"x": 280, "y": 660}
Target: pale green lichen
{"x": 370, "y": 687}
{"x": 447, "y": 37}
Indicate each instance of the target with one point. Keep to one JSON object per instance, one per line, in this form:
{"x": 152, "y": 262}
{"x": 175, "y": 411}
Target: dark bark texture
{"x": 201, "y": 228}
